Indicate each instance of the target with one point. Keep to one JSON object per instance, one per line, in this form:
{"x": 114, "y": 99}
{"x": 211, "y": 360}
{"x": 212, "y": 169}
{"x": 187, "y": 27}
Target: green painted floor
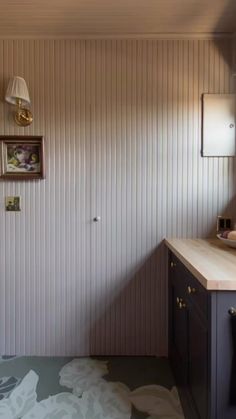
{"x": 87, "y": 388}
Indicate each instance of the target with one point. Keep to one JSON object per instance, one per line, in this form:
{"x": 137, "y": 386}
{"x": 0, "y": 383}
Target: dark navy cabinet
{"x": 202, "y": 350}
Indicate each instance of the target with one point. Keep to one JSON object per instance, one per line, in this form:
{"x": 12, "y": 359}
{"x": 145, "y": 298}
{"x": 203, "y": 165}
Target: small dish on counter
{"x": 228, "y": 242}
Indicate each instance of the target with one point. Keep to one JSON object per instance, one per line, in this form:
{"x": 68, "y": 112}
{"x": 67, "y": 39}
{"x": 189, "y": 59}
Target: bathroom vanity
{"x": 202, "y": 326}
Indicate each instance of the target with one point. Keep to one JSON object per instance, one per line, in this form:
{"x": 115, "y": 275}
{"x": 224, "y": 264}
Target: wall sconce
{"x": 17, "y": 94}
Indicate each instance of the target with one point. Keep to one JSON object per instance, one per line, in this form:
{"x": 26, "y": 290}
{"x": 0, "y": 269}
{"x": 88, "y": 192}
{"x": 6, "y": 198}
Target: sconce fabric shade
{"x": 17, "y": 89}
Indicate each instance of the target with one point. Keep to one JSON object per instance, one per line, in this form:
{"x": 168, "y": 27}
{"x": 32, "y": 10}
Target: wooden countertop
{"x": 210, "y": 261}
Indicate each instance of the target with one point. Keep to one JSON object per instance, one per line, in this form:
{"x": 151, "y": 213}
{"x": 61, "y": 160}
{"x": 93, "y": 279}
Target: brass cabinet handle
{"x": 172, "y": 264}
{"x": 232, "y": 311}
{"x": 191, "y": 290}
{"x": 180, "y": 303}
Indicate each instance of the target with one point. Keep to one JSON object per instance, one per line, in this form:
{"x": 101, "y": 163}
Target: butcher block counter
{"x": 202, "y": 326}
{"x": 210, "y": 261}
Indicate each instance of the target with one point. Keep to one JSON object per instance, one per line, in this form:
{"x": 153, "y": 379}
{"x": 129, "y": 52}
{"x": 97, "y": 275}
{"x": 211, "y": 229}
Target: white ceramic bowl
{"x": 230, "y": 243}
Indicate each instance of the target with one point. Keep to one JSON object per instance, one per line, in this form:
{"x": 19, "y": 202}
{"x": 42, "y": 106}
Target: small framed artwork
{"x": 22, "y": 157}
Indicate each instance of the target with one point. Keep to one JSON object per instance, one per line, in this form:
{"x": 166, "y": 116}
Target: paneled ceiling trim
{"x": 127, "y": 18}
{"x": 168, "y": 36}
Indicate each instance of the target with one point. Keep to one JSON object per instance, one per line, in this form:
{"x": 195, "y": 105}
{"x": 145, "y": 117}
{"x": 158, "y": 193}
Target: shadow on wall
{"x": 228, "y": 15}
{"x": 134, "y": 322}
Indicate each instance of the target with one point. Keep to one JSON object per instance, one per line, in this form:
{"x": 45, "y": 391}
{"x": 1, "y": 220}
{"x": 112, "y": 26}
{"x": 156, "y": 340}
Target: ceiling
{"x": 76, "y": 17}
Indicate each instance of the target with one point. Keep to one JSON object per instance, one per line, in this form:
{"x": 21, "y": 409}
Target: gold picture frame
{"x": 22, "y": 157}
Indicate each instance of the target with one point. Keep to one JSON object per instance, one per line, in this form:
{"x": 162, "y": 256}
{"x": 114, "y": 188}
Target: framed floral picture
{"x": 22, "y": 157}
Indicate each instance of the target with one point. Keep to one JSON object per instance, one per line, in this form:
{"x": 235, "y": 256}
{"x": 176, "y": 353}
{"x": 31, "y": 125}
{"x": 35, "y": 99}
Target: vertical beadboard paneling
{"x": 122, "y": 124}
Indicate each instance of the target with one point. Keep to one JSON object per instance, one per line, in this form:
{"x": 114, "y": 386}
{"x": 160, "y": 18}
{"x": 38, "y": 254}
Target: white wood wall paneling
{"x": 122, "y": 123}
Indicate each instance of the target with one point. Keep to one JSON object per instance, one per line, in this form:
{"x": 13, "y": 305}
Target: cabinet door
{"x": 226, "y": 355}
{"x": 198, "y": 362}
{"x": 178, "y": 321}
{"x": 180, "y": 338}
